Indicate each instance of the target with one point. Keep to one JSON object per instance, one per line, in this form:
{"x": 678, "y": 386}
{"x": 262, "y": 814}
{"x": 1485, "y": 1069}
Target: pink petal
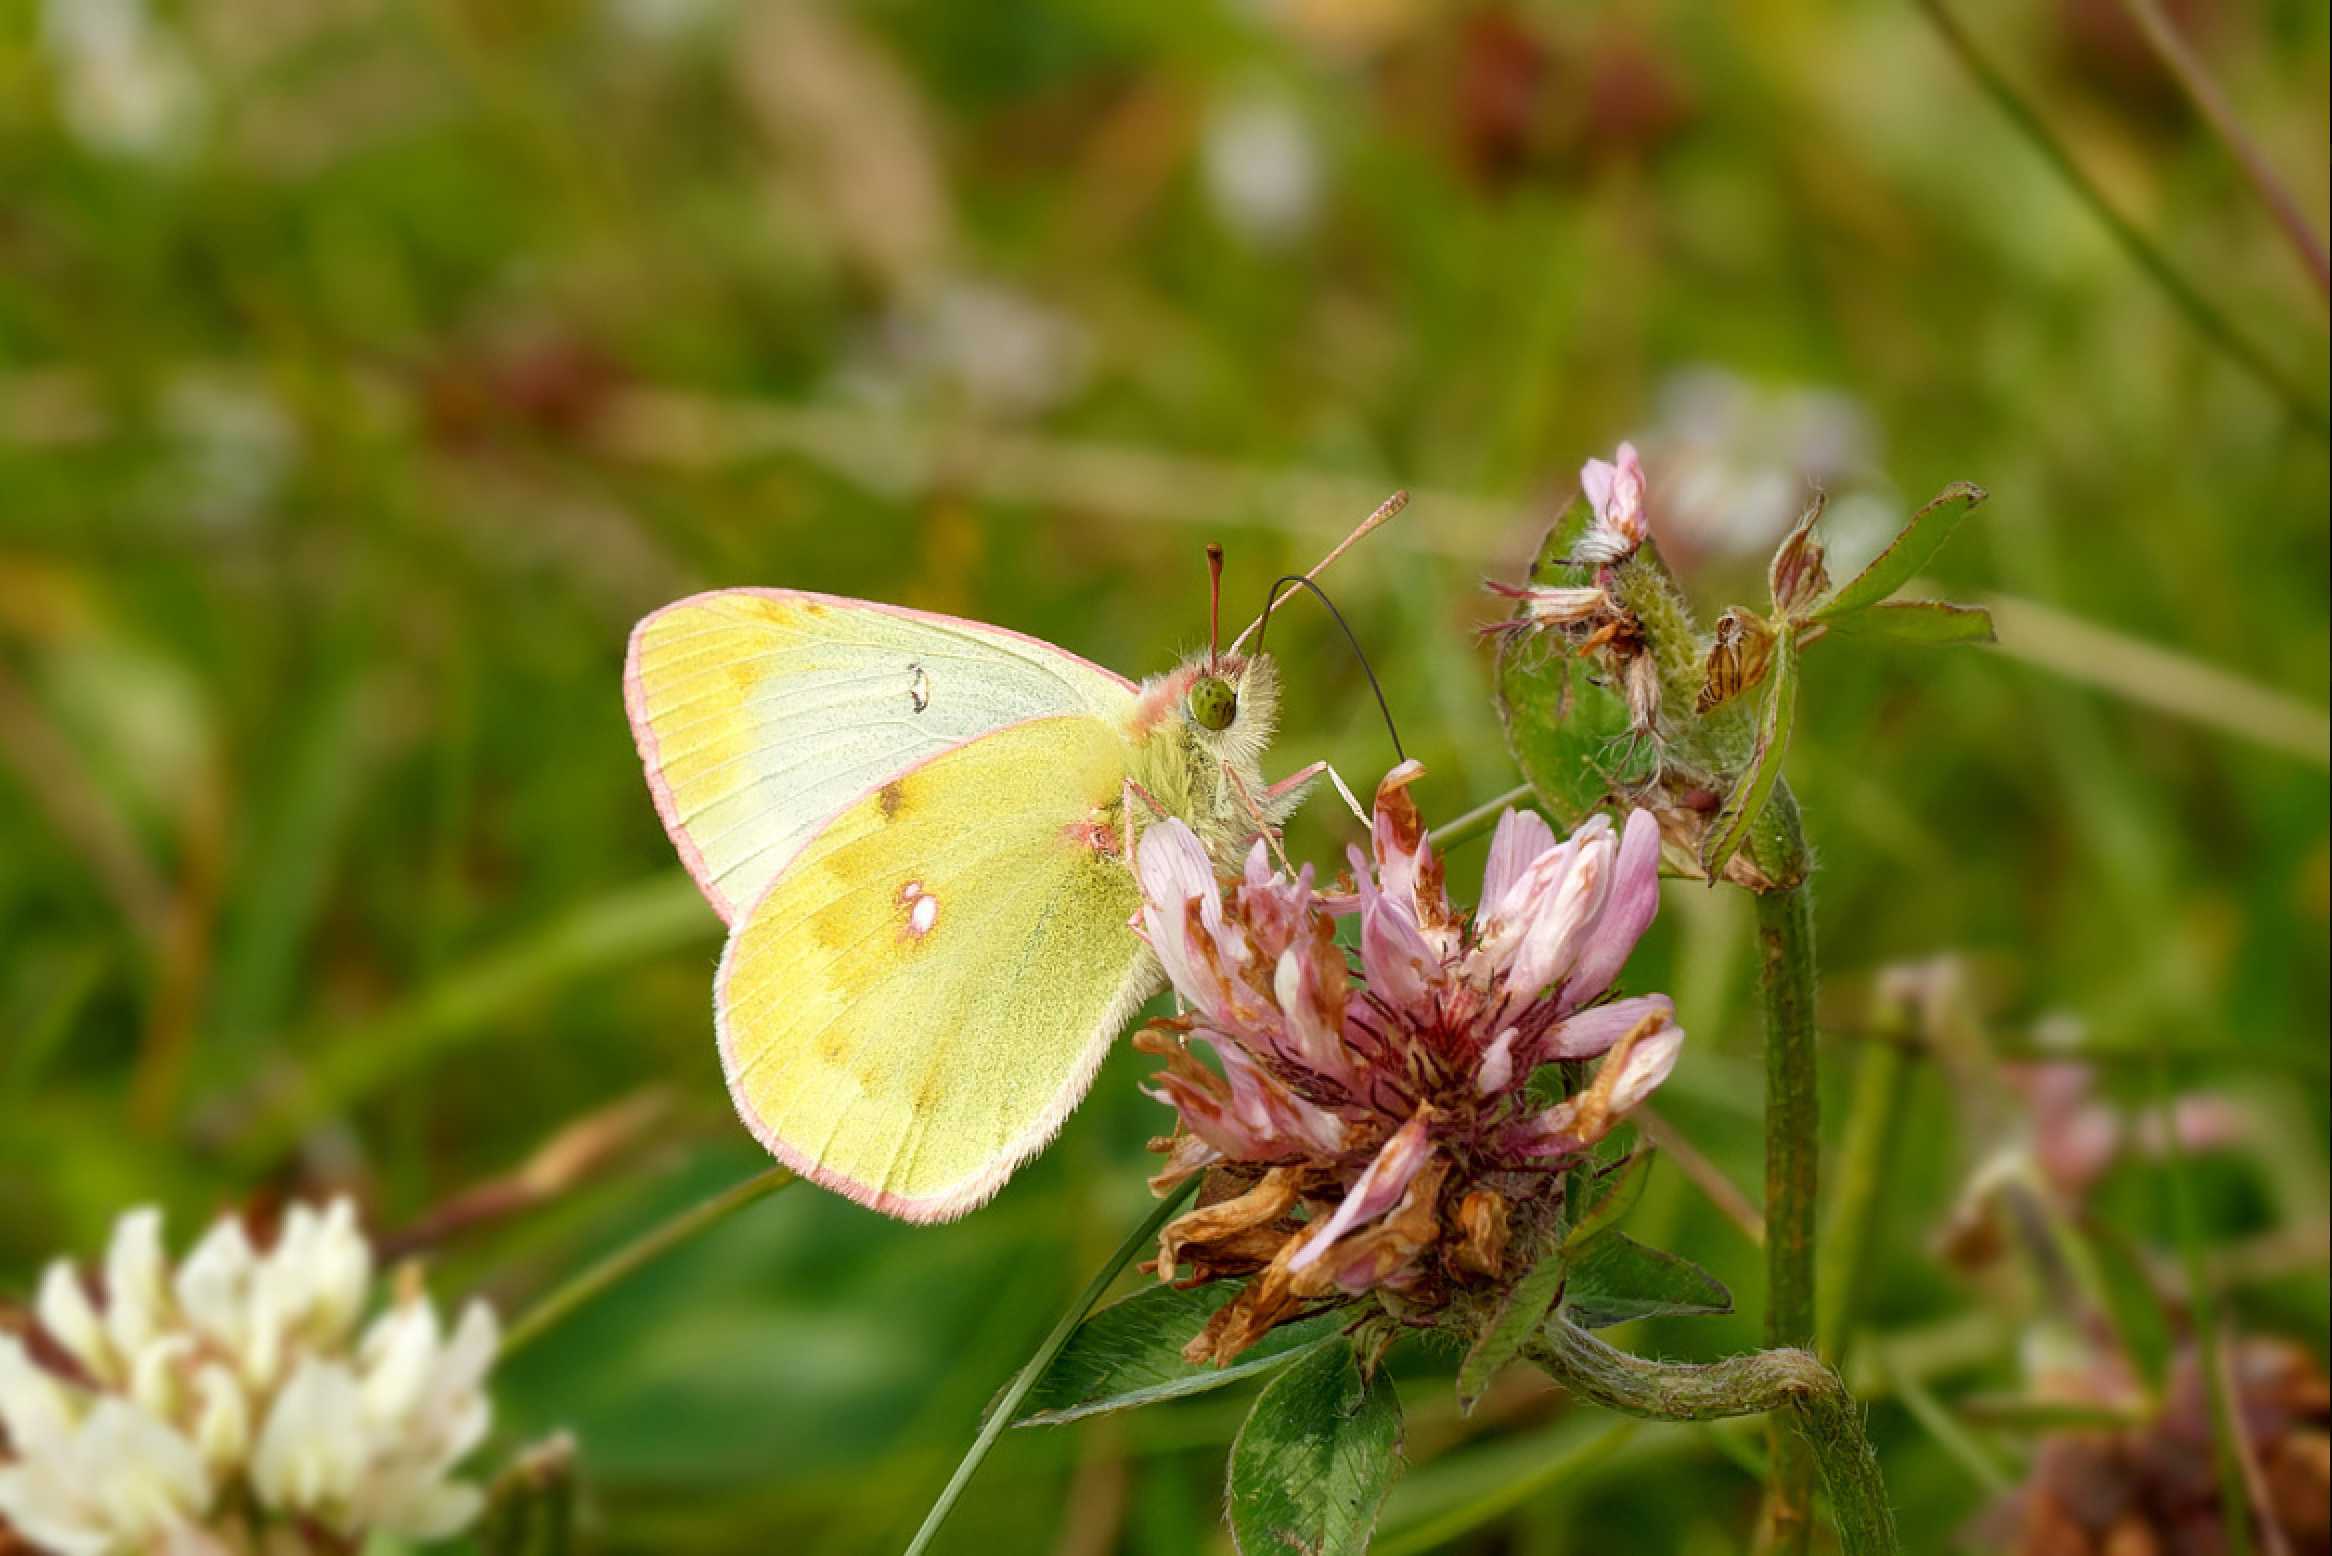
{"x": 1399, "y": 963}
{"x": 1398, "y": 836}
{"x": 1592, "y": 1032}
{"x": 1627, "y": 912}
{"x": 1559, "y": 910}
{"x": 1521, "y": 837}
{"x": 1595, "y": 481}
{"x": 1173, "y": 870}
{"x": 1248, "y": 1114}
{"x": 1647, "y": 1065}
{"x": 1377, "y": 1190}
{"x": 1310, "y": 993}
{"x": 1496, "y": 1072}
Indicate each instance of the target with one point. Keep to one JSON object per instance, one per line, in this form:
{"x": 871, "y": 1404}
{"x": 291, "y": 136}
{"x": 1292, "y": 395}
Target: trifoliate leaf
{"x": 1518, "y": 1316}
{"x": 1929, "y": 528}
{"x": 1927, "y": 623}
{"x": 1311, "y": 1466}
{"x": 1130, "y": 1354}
{"x": 1617, "y": 1278}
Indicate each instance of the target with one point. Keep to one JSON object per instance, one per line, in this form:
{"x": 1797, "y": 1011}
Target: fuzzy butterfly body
{"x": 918, "y": 830}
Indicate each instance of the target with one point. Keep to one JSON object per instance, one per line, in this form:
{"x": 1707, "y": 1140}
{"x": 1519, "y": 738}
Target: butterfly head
{"x": 1212, "y": 703}
{"x": 1221, "y": 703}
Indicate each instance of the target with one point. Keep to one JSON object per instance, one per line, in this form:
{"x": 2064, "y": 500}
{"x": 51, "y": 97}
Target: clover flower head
{"x": 1615, "y": 495}
{"x": 234, "y": 1403}
{"x": 1380, "y": 1131}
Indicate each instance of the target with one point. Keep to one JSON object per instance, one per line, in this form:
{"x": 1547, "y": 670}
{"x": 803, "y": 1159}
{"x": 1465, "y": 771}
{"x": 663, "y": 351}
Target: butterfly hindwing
{"x": 916, "y": 1002}
{"x": 761, "y": 713}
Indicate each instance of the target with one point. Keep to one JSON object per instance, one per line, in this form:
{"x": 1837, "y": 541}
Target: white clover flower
{"x": 186, "y": 1403}
{"x": 127, "y": 86}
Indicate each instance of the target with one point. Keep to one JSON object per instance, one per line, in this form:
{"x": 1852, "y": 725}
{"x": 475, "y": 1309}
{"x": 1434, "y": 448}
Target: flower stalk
{"x": 1785, "y": 942}
{"x": 1790, "y": 1384}
{"x": 1612, "y": 699}
{"x": 1007, "y": 1406}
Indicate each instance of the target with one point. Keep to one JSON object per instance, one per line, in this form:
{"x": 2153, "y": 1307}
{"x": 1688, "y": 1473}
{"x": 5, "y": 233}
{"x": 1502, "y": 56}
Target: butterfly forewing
{"x": 762, "y": 713}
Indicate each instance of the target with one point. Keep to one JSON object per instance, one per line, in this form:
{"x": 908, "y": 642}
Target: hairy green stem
{"x": 1793, "y": 1121}
{"x": 2213, "y": 325}
{"x": 1790, "y": 1384}
{"x": 1008, "y": 1405}
{"x": 645, "y": 1249}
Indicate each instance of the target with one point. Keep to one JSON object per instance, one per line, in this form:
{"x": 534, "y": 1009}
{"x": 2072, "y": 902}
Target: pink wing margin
{"x": 644, "y": 735}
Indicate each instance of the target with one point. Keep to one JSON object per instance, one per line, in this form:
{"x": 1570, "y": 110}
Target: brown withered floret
{"x": 2154, "y": 1489}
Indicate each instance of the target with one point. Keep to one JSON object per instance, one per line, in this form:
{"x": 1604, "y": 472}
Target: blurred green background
{"x": 367, "y": 367}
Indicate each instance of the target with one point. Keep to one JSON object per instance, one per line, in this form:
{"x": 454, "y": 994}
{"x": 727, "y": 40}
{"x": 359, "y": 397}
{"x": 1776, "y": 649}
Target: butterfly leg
{"x": 1264, "y": 827}
{"x": 1126, "y": 797}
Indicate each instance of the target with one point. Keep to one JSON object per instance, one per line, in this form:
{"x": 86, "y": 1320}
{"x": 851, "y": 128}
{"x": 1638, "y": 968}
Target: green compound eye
{"x": 1212, "y": 703}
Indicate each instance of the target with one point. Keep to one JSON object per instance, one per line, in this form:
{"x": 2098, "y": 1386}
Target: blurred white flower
{"x": 126, "y": 85}
{"x": 1738, "y": 461}
{"x": 986, "y": 345}
{"x": 239, "y": 1386}
{"x": 232, "y": 444}
{"x": 1262, "y": 168}
{"x": 661, "y": 21}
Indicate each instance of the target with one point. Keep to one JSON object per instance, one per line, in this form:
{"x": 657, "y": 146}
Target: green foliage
{"x": 1314, "y": 1459}
{"x": 1745, "y": 805}
{"x": 1566, "y": 725}
{"x": 1917, "y": 623}
{"x": 1130, "y": 1354}
{"x": 1910, "y": 551}
{"x": 1614, "y": 1193}
{"x": 1615, "y": 1279}
{"x": 1521, "y": 1309}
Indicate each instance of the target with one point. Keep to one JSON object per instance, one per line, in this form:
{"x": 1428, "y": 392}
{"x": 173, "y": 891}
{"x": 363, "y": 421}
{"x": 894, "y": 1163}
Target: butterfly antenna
{"x": 1303, "y": 580}
{"x": 1214, "y": 605}
{"x": 1385, "y": 510}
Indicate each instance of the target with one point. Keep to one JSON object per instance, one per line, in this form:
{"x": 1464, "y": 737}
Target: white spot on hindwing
{"x": 922, "y": 908}
{"x": 918, "y": 687}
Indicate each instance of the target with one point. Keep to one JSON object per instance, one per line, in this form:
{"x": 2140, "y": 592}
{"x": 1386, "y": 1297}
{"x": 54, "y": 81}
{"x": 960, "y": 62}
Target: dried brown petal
{"x": 1483, "y": 1228}
{"x": 1641, "y": 680}
{"x": 2299, "y": 1485}
{"x": 1210, "y": 1224}
{"x": 1372, "y": 1257}
{"x": 1737, "y": 659}
{"x": 1270, "y": 1299}
{"x": 1798, "y": 578}
{"x": 1185, "y": 1154}
{"x": 1594, "y": 1112}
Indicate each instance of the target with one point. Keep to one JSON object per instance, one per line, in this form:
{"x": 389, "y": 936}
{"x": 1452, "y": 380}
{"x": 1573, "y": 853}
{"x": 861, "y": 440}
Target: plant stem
{"x": 1791, "y": 1384}
{"x": 1785, "y": 940}
{"x": 2212, "y": 324}
{"x": 1479, "y": 820}
{"x": 645, "y": 1249}
{"x": 1006, "y": 1407}
{"x": 2162, "y": 37}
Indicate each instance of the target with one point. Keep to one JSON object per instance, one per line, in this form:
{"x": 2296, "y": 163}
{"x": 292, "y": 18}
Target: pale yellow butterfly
{"x": 918, "y": 829}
